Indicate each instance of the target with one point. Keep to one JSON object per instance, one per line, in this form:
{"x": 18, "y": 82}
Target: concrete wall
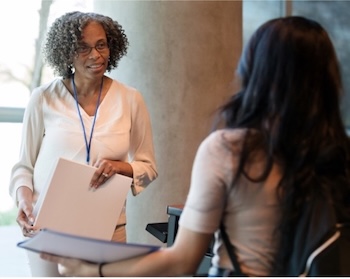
{"x": 182, "y": 57}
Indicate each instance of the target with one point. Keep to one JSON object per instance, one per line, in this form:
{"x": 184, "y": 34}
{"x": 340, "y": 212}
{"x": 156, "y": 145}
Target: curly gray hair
{"x": 65, "y": 33}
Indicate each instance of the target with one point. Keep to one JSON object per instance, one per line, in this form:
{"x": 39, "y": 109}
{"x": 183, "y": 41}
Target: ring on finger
{"x": 105, "y": 174}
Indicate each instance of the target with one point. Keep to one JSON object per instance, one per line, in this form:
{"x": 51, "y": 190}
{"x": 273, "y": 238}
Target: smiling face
{"x": 89, "y": 62}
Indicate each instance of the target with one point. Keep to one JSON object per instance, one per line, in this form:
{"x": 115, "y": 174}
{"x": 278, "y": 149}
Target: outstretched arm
{"x": 183, "y": 258}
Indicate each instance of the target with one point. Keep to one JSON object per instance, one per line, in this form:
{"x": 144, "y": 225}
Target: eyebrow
{"x": 82, "y": 43}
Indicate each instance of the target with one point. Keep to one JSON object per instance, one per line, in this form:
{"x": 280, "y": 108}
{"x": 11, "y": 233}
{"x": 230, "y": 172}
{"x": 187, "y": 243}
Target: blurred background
{"x": 23, "y": 26}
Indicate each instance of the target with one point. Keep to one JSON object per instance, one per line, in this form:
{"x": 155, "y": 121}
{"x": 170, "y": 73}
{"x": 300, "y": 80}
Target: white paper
{"x": 69, "y": 205}
{"x": 93, "y": 250}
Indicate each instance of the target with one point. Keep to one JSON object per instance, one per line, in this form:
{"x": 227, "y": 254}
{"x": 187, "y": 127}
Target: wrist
{"x": 24, "y": 195}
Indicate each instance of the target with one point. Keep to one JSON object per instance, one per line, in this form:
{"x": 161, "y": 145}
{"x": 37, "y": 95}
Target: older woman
{"x": 84, "y": 116}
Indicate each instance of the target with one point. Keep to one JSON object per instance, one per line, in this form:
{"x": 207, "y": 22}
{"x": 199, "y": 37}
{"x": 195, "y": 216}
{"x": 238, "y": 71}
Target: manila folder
{"x": 88, "y": 249}
{"x": 70, "y": 206}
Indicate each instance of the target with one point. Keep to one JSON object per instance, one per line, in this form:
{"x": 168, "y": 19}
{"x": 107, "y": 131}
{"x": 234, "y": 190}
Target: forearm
{"x": 123, "y": 168}
{"x": 181, "y": 259}
{"x": 162, "y": 263}
{"x": 24, "y": 193}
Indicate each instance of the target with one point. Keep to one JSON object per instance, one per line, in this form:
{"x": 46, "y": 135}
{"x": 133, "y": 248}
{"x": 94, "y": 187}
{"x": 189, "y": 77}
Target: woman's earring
{"x": 71, "y": 68}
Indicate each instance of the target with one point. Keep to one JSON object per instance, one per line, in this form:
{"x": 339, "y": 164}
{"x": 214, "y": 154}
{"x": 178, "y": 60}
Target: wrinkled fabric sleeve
{"x": 32, "y": 135}
{"x": 141, "y": 153}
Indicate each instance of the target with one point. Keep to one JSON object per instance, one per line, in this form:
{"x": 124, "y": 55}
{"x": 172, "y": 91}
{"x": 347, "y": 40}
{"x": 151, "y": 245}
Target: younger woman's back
{"x": 249, "y": 210}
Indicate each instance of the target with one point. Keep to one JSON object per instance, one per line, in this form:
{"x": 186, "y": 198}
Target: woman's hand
{"x": 25, "y": 218}
{"x": 72, "y": 267}
{"x": 107, "y": 168}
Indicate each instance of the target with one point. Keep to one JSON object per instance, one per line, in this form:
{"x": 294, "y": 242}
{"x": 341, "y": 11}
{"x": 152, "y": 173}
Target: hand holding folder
{"x": 69, "y": 205}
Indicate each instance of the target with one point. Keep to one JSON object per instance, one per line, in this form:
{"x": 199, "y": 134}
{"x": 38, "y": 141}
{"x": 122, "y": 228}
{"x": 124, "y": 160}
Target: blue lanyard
{"x": 87, "y": 144}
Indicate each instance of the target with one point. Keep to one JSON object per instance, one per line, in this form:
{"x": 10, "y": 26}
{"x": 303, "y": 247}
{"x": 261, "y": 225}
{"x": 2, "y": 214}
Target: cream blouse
{"x": 52, "y": 129}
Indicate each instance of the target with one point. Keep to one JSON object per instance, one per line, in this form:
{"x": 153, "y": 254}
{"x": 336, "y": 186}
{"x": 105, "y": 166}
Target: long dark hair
{"x": 290, "y": 93}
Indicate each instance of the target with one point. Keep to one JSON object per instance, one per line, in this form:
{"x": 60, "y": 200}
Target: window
{"x": 19, "y": 21}
{"x": 332, "y": 15}
{"x": 20, "y": 45}
{"x": 257, "y": 12}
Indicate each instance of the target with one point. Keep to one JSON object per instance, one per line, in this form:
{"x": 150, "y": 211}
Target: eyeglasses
{"x": 85, "y": 49}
